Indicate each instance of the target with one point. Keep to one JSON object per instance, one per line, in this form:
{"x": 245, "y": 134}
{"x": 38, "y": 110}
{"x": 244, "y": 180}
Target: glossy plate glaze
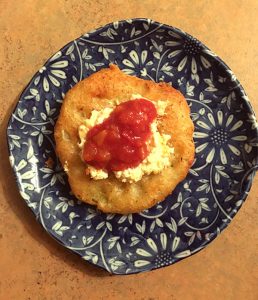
{"x": 202, "y": 205}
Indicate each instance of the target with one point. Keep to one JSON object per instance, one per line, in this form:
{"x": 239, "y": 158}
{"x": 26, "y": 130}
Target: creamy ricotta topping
{"x": 159, "y": 157}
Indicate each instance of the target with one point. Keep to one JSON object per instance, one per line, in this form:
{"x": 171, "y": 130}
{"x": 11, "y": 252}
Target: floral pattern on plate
{"x": 202, "y": 205}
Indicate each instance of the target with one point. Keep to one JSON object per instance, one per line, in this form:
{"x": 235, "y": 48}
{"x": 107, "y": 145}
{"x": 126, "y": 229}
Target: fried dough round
{"x": 101, "y": 90}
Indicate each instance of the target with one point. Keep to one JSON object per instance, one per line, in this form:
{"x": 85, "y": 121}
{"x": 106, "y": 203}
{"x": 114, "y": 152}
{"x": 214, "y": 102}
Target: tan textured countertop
{"x": 32, "y": 265}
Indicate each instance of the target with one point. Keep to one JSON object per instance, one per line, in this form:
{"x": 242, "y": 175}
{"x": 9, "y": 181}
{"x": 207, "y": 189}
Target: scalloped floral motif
{"x": 201, "y": 206}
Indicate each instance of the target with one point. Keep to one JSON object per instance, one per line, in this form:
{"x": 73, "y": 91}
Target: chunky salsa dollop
{"x": 120, "y": 141}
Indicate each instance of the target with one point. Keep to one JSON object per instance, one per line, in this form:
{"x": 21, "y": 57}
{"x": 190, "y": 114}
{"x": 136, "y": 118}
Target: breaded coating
{"x": 103, "y": 89}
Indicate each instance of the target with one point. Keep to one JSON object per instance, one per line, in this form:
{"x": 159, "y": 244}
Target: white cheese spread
{"x": 159, "y": 157}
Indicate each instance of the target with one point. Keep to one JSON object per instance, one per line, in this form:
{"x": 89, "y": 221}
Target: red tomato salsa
{"x": 119, "y": 142}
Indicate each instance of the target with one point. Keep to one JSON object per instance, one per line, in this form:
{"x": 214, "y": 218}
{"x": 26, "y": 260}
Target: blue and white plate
{"x": 202, "y": 205}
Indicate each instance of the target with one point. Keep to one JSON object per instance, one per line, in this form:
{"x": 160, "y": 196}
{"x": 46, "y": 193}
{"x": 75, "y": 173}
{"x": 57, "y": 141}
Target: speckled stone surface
{"x": 32, "y": 265}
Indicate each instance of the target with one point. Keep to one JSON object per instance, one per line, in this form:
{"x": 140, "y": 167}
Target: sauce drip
{"x": 120, "y": 141}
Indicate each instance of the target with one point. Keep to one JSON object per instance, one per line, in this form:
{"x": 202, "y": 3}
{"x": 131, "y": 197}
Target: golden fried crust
{"x": 99, "y": 91}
